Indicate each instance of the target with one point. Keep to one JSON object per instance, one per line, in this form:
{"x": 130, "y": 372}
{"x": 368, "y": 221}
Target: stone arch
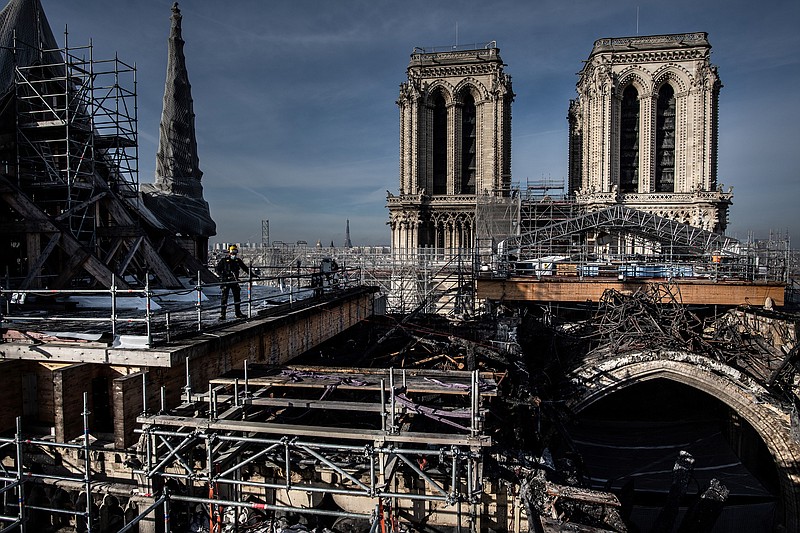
{"x": 595, "y": 380}
{"x": 677, "y": 76}
{"x": 636, "y": 76}
{"x": 444, "y": 88}
{"x": 476, "y": 88}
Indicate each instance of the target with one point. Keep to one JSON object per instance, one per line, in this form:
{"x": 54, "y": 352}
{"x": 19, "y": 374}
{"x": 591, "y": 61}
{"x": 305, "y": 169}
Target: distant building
{"x": 455, "y": 143}
{"x": 643, "y": 129}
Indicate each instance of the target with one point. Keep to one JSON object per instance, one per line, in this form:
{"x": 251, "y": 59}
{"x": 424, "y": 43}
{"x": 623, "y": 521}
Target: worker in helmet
{"x": 228, "y": 271}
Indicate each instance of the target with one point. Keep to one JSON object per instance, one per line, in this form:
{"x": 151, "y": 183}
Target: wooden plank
{"x": 695, "y": 292}
{"x": 65, "y": 353}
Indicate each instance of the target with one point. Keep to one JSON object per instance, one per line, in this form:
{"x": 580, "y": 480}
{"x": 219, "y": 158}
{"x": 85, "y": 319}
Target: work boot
{"x": 222, "y": 316}
{"x": 241, "y": 315}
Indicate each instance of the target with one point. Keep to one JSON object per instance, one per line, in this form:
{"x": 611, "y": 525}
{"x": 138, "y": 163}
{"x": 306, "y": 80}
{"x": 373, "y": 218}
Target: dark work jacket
{"x": 228, "y": 268}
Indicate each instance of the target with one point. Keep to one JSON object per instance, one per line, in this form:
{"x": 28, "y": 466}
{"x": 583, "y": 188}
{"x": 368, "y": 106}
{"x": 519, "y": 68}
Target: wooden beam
{"x": 74, "y": 209}
{"x": 119, "y": 232}
{"x": 24, "y": 226}
{"x": 687, "y": 291}
{"x": 134, "y": 246}
{"x": 36, "y": 267}
{"x": 152, "y": 259}
{"x": 23, "y": 205}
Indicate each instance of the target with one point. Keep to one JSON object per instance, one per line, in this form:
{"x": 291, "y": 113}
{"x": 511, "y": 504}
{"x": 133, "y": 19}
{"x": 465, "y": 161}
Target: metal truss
{"x": 619, "y": 218}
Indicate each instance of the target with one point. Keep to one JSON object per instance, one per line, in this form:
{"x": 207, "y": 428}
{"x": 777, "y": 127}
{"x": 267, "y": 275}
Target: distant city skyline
{"x": 295, "y": 101}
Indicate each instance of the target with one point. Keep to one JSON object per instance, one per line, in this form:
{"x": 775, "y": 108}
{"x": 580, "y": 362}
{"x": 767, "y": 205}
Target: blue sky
{"x": 295, "y": 99}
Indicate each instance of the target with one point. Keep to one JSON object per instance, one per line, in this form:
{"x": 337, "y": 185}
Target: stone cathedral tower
{"x": 643, "y": 130}
{"x": 455, "y": 143}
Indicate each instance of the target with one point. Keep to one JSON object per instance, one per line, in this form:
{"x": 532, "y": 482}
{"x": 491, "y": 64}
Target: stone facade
{"x": 455, "y": 143}
{"x": 643, "y": 130}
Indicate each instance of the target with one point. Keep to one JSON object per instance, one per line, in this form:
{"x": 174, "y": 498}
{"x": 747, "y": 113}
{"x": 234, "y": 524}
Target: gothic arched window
{"x": 665, "y": 140}
{"x": 439, "y": 149}
{"x": 629, "y": 141}
{"x": 468, "y": 144}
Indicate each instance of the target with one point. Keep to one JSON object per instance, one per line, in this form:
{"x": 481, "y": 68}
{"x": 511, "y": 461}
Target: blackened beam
{"x": 23, "y": 205}
{"x": 36, "y": 267}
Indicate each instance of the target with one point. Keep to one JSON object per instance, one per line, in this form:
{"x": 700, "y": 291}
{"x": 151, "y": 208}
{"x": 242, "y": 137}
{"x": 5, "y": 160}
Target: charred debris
{"x": 532, "y": 349}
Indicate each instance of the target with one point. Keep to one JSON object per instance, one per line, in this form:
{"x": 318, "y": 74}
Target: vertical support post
{"x": 392, "y": 428}
{"x": 144, "y": 392}
{"x": 199, "y": 303}
{"x": 167, "y": 326}
{"x": 87, "y": 474}
{"x": 454, "y": 476}
{"x": 167, "y": 528}
{"x": 147, "y": 309}
{"x": 163, "y": 399}
{"x": 150, "y": 447}
{"x": 475, "y": 402}
{"x": 188, "y": 386}
{"x": 246, "y": 382}
{"x": 250, "y": 290}
{"x": 383, "y": 405}
{"x": 212, "y": 403}
{"x": 113, "y": 305}
{"x": 236, "y": 392}
{"x": 211, "y": 485}
{"x": 21, "y": 487}
{"x": 287, "y": 463}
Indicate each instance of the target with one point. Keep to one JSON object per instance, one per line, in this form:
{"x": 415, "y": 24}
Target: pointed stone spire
{"x": 177, "y": 164}
{"x": 176, "y": 197}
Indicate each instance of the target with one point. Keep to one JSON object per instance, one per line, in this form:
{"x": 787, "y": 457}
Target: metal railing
{"x": 160, "y": 315}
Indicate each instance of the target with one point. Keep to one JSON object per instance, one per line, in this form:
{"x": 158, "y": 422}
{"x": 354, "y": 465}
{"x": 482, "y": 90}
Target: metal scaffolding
{"x": 281, "y": 440}
{"x": 23, "y": 476}
{"x": 76, "y": 135}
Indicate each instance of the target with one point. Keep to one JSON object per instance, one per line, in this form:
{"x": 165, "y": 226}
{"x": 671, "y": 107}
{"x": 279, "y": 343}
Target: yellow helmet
{"x": 232, "y": 248}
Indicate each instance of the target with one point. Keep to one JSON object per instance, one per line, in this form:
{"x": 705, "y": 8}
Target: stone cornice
{"x": 661, "y": 56}
{"x": 651, "y": 42}
{"x": 655, "y": 198}
{"x": 420, "y": 200}
{"x": 447, "y": 71}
